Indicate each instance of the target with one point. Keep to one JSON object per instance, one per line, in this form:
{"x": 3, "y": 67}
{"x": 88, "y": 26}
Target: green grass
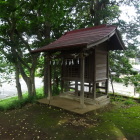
{"x": 106, "y": 124}
{"x": 114, "y": 122}
{"x": 14, "y": 103}
{"x": 117, "y": 121}
{"x": 122, "y": 99}
{"x": 129, "y": 101}
{"x": 124, "y": 120}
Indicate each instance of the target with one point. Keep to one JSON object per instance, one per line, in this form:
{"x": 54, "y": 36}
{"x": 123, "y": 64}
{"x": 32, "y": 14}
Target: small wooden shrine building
{"x": 83, "y": 56}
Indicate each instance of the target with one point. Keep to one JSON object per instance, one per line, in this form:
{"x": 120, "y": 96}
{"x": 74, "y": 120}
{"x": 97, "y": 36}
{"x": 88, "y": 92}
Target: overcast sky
{"x": 128, "y": 13}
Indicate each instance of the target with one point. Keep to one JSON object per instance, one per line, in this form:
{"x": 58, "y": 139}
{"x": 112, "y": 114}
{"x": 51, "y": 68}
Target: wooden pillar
{"x": 89, "y": 87}
{"x": 49, "y": 77}
{"x": 62, "y": 81}
{"x": 76, "y": 87}
{"x": 107, "y": 80}
{"x": 94, "y": 76}
{"x": 62, "y": 86}
{"x": 67, "y": 84}
{"x": 45, "y": 76}
{"x": 82, "y": 65}
{"x": 94, "y": 90}
{"x": 106, "y": 88}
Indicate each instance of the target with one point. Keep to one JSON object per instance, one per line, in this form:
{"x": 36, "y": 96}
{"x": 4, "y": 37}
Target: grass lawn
{"x": 117, "y": 121}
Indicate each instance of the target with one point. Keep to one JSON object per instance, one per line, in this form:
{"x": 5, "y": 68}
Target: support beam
{"x": 82, "y": 58}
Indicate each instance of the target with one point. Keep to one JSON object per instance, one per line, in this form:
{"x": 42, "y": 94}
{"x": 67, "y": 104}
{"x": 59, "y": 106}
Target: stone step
{"x": 101, "y": 98}
{"x": 104, "y": 101}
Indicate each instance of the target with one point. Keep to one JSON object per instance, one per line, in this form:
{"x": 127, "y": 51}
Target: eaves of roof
{"x": 86, "y": 38}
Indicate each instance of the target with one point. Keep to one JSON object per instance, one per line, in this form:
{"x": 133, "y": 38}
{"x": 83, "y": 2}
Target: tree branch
{"x": 19, "y": 58}
{"x": 25, "y": 42}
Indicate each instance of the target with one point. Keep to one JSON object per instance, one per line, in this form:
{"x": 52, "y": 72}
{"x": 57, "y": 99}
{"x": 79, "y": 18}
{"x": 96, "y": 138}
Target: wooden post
{"x": 49, "y": 77}
{"x": 112, "y": 83}
{"x": 94, "y": 76}
{"x": 106, "y": 82}
{"x": 82, "y": 81}
{"x": 67, "y": 84}
{"x": 62, "y": 86}
{"x": 89, "y": 87}
{"x": 45, "y": 76}
{"x": 62, "y": 81}
{"x": 106, "y": 88}
{"x": 94, "y": 90}
{"x": 76, "y": 88}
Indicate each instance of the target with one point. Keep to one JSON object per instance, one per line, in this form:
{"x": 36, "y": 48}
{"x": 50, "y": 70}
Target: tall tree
{"x": 130, "y": 31}
{"x": 26, "y": 25}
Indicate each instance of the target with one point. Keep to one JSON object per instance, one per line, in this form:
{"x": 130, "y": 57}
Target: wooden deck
{"x": 71, "y": 105}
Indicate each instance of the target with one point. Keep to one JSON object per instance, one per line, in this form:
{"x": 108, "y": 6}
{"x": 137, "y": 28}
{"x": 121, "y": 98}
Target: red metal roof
{"x": 86, "y": 37}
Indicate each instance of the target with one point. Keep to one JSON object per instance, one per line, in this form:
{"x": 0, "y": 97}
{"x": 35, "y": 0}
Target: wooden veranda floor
{"x": 70, "y": 105}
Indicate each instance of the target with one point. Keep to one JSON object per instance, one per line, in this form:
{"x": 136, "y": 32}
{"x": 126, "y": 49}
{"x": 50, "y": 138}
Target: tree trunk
{"x": 47, "y": 37}
{"x": 30, "y": 81}
{"x": 31, "y": 86}
{"x": 18, "y": 85}
{"x": 96, "y": 7}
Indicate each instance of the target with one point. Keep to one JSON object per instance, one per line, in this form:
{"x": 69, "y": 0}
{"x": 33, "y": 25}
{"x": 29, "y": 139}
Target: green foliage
{"x": 27, "y": 25}
{"x": 5, "y": 70}
{"x": 55, "y": 90}
{"x": 119, "y": 61}
{"x": 117, "y": 98}
{"x": 89, "y": 13}
{"x": 129, "y": 102}
{"x": 123, "y": 100}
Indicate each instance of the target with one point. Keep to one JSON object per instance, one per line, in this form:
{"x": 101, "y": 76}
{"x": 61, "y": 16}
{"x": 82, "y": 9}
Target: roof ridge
{"x": 86, "y": 29}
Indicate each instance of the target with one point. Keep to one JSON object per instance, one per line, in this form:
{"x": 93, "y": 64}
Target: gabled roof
{"x": 87, "y": 38}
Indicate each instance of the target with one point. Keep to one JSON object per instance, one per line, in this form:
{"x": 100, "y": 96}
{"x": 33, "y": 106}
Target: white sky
{"x": 128, "y": 13}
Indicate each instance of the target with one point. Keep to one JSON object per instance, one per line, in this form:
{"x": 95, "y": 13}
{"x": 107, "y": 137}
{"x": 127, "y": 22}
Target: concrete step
{"x": 104, "y": 100}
